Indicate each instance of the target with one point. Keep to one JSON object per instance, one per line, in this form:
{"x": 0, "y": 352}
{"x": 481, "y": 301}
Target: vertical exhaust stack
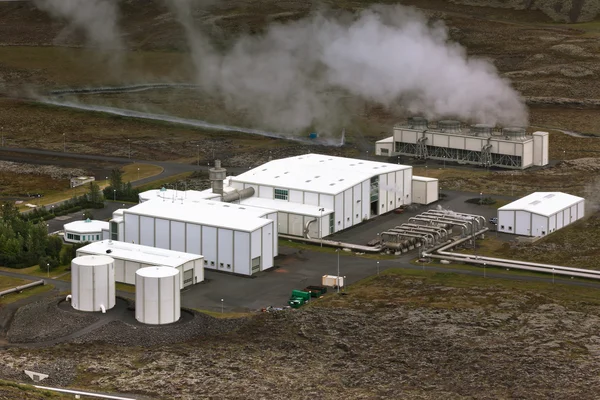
{"x": 217, "y": 175}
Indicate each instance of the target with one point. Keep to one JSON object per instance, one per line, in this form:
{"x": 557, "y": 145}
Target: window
{"x": 221, "y": 265}
{"x": 501, "y": 226}
{"x": 114, "y": 231}
{"x": 228, "y": 266}
{"x": 331, "y": 223}
{"x": 69, "y": 236}
{"x": 212, "y": 263}
{"x": 97, "y": 237}
{"x": 205, "y": 262}
{"x": 385, "y": 151}
{"x": 281, "y": 194}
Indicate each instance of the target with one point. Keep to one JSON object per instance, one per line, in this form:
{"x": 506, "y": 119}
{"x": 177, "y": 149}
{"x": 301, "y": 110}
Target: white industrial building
{"x": 540, "y": 213}
{"x": 85, "y": 231}
{"x": 480, "y": 144}
{"x": 130, "y": 257}
{"x": 230, "y": 237}
{"x": 349, "y": 190}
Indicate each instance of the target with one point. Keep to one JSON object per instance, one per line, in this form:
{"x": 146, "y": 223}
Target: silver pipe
{"x": 22, "y": 287}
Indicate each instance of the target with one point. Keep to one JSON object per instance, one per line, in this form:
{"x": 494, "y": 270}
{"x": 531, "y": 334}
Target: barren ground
{"x": 413, "y": 335}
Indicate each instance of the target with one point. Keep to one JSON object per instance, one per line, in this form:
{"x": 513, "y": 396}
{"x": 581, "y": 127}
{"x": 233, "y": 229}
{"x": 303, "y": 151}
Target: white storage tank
{"x": 157, "y": 295}
{"x": 93, "y": 283}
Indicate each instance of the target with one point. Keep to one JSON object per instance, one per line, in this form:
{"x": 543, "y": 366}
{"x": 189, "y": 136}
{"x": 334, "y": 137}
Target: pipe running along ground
{"x": 442, "y": 254}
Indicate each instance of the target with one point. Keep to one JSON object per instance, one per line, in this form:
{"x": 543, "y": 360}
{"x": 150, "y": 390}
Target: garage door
{"x": 255, "y": 265}
{"x": 188, "y": 278}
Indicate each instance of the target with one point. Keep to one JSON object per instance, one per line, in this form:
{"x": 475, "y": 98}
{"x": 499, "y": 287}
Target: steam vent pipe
{"x": 217, "y": 175}
{"x": 238, "y": 195}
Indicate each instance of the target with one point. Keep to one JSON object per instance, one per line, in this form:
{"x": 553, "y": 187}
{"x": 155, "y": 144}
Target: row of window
{"x": 83, "y": 238}
{"x": 221, "y": 265}
{"x": 281, "y": 194}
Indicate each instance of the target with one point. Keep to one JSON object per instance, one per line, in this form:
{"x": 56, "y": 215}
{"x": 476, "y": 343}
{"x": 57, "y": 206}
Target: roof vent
{"x": 449, "y": 126}
{"x": 88, "y": 220}
{"x": 514, "y": 133}
{"x": 341, "y": 179}
{"x": 417, "y": 123}
{"x": 277, "y": 176}
{"x": 332, "y": 184}
{"x": 482, "y": 130}
{"x": 549, "y": 196}
{"x": 308, "y": 180}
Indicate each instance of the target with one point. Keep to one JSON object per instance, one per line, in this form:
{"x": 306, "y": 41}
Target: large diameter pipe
{"x": 436, "y": 229}
{"x": 590, "y": 274}
{"x": 22, "y": 287}
{"x": 238, "y": 195}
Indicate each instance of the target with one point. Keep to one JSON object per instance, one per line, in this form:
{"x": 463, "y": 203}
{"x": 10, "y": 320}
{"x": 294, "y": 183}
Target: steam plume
{"x": 292, "y": 76}
{"x": 97, "y": 18}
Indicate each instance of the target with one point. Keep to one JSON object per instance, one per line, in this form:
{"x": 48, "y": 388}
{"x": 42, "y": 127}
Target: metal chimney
{"x": 217, "y": 175}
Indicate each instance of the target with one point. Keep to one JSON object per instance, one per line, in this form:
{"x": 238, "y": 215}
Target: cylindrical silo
{"x": 93, "y": 283}
{"x": 157, "y": 295}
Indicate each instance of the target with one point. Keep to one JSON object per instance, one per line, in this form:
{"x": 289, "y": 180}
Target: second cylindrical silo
{"x": 93, "y": 283}
{"x": 157, "y": 295}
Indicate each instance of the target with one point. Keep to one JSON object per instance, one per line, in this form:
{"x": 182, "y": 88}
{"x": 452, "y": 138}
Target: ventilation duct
{"x": 482, "y": 130}
{"x": 217, "y": 175}
{"x": 238, "y": 195}
{"x": 449, "y": 126}
{"x": 417, "y": 123}
{"x": 514, "y": 133}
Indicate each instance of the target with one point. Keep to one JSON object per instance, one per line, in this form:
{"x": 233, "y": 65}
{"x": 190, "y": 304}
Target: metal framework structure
{"x": 485, "y": 157}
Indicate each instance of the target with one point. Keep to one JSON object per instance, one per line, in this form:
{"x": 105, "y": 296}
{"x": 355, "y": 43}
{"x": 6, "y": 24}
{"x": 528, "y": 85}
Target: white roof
{"x": 286, "y": 206}
{"x": 316, "y": 173}
{"x": 543, "y": 203}
{"x": 87, "y": 226}
{"x": 423, "y": 179}
{"x": 157, "y": 272}
{"x": 170, "y": 194}
{"x": 209, "y": 213}
{"x": 386, "y": 140}
{"x": 139, "y": 253}
{"x": 92, "y": 261}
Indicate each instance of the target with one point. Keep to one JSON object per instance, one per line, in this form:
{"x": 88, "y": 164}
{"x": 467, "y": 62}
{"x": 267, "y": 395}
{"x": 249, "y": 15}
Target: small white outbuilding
{"x": 540, "y": 213}
{"x": 131, "y": 257}
{"x": 85, "y": 231}
{"x": 425, "y": 190}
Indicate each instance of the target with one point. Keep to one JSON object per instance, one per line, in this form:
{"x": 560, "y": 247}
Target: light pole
{"x": 114, "y": 194}
{"x": 198, "y": 148}
{"x": 52, "y": 209}
{"x": 484, "y": 270}
{"x": 320, "y": 226}
{"x": 221, "y": 306}
{"x": 377, "y": 267}
{"x": 48, "y": 268}
{"x": 480, "y": 198}
{"x": 444, "y": 162}
{"x": 338, "y": 269}
{"x": 138, "y": 174}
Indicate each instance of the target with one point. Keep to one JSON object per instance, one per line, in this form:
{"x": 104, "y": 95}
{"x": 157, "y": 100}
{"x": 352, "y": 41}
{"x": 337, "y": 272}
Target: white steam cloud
{"x": 295, "y": 75}
{"x": 97, "y": 18}
{"x": 292, "y": 76}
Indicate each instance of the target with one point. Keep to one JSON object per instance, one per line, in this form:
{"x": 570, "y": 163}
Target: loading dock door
{"x": 188, "y": 278}
{"x": 255, "y": 265}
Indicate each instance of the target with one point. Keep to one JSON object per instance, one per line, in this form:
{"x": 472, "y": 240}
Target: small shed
{"x": 425, "y": 190}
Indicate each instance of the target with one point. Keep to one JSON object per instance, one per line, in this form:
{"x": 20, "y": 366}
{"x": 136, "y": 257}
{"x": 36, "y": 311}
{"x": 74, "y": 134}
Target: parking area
{"x": 295, "y": 269}
{"x": 455, "y": 201}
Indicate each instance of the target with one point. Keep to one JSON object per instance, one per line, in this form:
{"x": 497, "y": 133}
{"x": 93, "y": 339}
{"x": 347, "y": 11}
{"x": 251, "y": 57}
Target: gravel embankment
{"x": 43, "y": 320}
{"x": 121, "y": 333}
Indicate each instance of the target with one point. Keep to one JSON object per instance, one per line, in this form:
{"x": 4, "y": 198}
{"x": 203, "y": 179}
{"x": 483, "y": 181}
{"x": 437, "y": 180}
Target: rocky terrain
{"x": 398, "y": 336}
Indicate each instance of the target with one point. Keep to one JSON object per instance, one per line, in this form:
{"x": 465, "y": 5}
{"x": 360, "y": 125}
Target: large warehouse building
{"x": 480, "y": 144}
{"x": 541, "y": 213}
{"x": 348, "y": 190}
{"x": 130, "y": 257}
{"x": 231, "y": 237}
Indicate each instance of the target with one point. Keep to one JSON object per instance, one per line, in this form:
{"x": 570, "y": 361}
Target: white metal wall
{"x": 530, "y": 224}
{"x": 219, "y": 246}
